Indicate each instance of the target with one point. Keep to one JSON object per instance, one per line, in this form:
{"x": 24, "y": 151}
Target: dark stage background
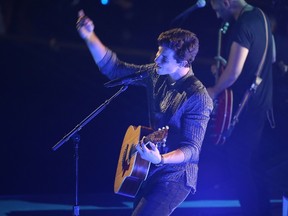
{"x": 49, "y": 84}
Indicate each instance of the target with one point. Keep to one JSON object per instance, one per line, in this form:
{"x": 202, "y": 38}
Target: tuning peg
{"x": 164, "y": 128}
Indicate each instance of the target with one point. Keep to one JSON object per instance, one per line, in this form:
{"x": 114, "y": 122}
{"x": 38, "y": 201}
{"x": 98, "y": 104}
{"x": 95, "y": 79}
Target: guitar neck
{"x": 221, "y": 31}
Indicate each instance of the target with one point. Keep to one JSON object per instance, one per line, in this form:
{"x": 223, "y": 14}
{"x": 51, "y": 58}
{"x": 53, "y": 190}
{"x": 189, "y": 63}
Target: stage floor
{"x": 112, "y": 205}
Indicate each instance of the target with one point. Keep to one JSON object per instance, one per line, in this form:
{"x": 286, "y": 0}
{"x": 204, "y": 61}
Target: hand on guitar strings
{"x": 151, "y": 154}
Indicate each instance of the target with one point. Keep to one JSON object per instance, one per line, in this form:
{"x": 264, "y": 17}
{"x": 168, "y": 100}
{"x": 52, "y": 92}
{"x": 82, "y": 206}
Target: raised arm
{"x": 85, "y": 28}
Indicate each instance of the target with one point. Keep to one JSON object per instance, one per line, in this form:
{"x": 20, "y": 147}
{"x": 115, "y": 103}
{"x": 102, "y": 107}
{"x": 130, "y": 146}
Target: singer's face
{"x": 165, "y": 61}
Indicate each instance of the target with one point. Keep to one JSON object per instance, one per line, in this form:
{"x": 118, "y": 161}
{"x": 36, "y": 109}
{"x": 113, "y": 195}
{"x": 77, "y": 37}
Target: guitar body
{"x": 132, "y": 170}
{"x": 221, "y": 117}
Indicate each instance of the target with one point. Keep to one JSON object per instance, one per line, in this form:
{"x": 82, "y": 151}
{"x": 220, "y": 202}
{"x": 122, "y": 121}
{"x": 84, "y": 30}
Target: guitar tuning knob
{"x": 163, "y": 128}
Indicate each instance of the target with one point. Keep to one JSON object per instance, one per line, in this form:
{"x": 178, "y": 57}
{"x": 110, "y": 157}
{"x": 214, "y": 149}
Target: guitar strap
{"x": 252, "y": 88}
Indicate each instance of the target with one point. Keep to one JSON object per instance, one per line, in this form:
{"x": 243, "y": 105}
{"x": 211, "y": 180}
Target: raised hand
{"x": 84, "y": 25}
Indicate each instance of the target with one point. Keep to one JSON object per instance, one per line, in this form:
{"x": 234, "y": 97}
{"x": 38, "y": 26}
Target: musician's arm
{"x": 194, "y": 124}
{"x": 236, "y": 60}
{"x": 85, "y": 28}
{"x": 153, "y": 155}
{"x": 193, "y": 127}
{"x": 106, "y": 60}
{"x": 176, "y": 156}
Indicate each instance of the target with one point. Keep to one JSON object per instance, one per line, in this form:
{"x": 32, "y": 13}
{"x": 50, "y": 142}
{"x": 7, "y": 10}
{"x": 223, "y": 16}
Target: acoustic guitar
{"x": 132, "y": 170}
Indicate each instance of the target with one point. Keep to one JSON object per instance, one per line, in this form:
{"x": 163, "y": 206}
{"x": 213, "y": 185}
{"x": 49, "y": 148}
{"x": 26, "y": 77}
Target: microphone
{"x": 199, "y": 4}
{"x": 126, "y": 80}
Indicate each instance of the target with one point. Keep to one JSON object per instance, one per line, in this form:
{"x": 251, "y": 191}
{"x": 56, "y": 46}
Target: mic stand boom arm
{"x": 76, "y": 139}
{"x": 87, "y": 119}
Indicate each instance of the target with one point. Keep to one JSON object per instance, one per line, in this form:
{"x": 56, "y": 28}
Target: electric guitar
{"x": 220, "y": 118}
{"x": 221, "y": 115}
{"x": 132, "y": 170}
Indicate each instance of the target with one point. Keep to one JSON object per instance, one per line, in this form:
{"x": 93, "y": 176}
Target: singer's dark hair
{"x": 184, "y": 42}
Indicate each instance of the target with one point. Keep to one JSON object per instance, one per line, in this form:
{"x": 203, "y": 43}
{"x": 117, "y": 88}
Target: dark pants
{"x": 160, "y": 199}
{"x": 246, "y": 167}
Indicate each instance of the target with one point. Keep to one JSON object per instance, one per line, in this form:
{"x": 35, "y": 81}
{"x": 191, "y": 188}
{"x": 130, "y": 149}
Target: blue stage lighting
{"x": 104, "y": 2}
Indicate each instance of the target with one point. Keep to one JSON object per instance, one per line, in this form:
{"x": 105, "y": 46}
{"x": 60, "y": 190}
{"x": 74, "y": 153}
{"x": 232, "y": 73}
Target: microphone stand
{"x": 76, "y": 140}
{"x": 182, "y": 16}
